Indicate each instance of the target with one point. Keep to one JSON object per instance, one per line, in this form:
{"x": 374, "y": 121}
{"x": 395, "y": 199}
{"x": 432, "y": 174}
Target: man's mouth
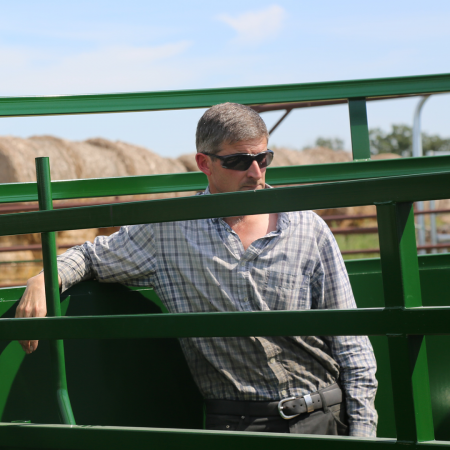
{"x": 251, "y": 187}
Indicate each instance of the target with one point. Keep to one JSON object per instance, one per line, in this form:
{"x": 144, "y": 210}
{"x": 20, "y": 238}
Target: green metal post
{"x": 359, "y": 129}
{"x": 52, "y": 292}
{"x": 407, "y": 354}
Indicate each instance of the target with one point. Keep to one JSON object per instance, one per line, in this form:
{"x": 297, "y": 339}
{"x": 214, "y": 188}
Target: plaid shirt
{"x": 201, "y": 265}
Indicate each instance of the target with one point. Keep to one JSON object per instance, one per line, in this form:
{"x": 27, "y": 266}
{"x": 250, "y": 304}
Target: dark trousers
{"x": 330, "y": 420}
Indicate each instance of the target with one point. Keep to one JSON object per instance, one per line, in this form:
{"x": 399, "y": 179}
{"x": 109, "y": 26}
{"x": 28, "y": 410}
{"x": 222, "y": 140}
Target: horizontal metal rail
{"x": 298, "y": 198}
{"x": 353, "y": 322}
{"x": 203, "y": 98}
{"x": 193, "y": 181}
{"x": 377, "y": 250}
{"x": 38, "y": 247}
{"x": 61, "y": 437}
{"x": 20, "y": 207}
{"x": 339, "y": 217}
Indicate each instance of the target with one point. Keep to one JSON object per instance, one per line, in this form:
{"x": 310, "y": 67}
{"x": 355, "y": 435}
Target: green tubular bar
{"x": 401, "y": 284}
{"x": 154, "y": 184}
{"x": 370, "y": 321}
{"x": 203, "y": 98}
{"x": 299, "y": 198}
{"x": 58, "y": 367}
{"x": 359, "y": 129}
{"x": 117, "y": 438}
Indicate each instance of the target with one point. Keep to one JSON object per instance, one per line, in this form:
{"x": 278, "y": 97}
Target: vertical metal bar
{"x": 407, "y": 354}
{"x": 433, "y": 226}
{"x": 359, "y": 129}
{"x": 421, "y": 227}
{"x": 417, "y": 151}
{"x": 58, "y": 366}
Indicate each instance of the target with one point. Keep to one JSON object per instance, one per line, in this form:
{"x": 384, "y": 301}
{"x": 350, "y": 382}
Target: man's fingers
{"x": 32, "y": 304}
{"x": 33, "y": 346}
{"x": 29, "y": 346}
{"x": 26, "y": 346}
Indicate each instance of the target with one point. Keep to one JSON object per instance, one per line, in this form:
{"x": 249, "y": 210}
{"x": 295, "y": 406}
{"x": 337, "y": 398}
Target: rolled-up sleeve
{"x": 127, "y": 256}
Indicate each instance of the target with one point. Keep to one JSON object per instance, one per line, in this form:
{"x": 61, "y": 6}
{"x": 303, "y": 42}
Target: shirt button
{"x": 272, "y": 360}
{"x": 283, "y": 393}
{"x": 245, "y": 299}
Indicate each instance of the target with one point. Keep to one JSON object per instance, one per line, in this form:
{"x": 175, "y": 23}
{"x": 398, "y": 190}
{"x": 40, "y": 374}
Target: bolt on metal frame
{"x": 391, "y": 186}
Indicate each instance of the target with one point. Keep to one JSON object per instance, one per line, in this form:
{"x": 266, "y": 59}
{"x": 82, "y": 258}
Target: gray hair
{"x": 228, "y": 123}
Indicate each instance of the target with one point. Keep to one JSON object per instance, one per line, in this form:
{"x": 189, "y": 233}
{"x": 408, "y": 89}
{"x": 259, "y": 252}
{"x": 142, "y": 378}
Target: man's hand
{"x": 33, "y": 304}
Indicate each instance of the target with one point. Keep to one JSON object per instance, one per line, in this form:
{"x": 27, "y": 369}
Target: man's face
{"x": 227, "y": 180}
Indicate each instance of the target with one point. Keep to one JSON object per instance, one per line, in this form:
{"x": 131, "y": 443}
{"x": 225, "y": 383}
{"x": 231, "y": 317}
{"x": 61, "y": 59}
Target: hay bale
{"x": 316, "y": 155}
{"x": 94, "y": 158}
{"x": 386, "y": 156}
{"x": 188, "y": 162}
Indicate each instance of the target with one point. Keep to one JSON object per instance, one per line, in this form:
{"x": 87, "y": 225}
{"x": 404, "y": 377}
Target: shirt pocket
{"x": 287, "y": 291}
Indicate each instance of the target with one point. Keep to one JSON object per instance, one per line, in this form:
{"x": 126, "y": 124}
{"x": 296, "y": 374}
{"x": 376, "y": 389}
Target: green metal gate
{"x": 403, "y": 301}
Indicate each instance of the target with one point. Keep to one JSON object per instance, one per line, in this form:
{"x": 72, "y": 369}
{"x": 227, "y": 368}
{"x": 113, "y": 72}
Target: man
{"x": 286, "y": 261}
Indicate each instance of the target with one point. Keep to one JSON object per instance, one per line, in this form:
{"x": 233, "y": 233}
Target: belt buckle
{"x": 280, "y": 408}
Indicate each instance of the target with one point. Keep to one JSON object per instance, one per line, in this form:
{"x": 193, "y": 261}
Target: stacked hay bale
{"x": 94, "y": 158}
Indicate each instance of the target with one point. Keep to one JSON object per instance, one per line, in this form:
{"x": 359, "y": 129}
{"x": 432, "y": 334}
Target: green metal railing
{"x": 390, "y": 185}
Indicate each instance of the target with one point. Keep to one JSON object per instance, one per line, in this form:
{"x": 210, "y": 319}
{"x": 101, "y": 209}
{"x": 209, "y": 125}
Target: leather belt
{"x": 293, "y": 406}
{"x": 287, "y": 408}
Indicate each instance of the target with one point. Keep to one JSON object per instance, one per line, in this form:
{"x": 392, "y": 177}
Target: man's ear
{"x": 203, "y": 163}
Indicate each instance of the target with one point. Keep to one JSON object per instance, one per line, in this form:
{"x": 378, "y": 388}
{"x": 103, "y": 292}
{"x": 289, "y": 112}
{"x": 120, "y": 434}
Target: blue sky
{"x": 51, "y": 47}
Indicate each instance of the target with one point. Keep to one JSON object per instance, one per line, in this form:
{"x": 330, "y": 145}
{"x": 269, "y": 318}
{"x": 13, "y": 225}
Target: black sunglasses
{"x": 243, "y": 161}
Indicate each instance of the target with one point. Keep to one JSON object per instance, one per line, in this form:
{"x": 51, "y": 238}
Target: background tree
{"x": 333, "y": 143}
{"x": 399, "y": 141}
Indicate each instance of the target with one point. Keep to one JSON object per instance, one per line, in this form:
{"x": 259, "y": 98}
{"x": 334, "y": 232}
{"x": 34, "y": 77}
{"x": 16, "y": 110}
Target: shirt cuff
{"x": 362, "y": 429}
{"x": 73, "y": 268}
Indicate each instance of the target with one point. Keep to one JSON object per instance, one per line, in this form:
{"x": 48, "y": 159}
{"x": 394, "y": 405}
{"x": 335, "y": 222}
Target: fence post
{"x": 407, "y": 353}
{"x": 58, "y": 366}
{"x": 359, "y": 129}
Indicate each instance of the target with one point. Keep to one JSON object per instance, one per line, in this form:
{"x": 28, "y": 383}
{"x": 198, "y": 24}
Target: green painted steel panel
{"x": 122, "y": 382}
{"x": 192, "y": 181}
{"x": 95, "y": 298}
{"x": 298, "y": 198}
{"x": 203, "y": 98}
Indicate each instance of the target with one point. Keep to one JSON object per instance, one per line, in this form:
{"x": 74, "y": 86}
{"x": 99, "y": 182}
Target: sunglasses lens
{"x": 238, "y": 162}
{"x": 243, "y": 162}
{"x": 264, "y": 159}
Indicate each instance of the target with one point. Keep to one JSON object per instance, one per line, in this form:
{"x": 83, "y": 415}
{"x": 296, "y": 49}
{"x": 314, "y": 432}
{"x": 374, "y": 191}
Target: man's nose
{"x": 254, "y": 171}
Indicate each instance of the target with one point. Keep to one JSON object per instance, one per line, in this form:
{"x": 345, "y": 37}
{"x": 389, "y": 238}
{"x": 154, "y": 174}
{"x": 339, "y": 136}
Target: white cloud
{"x": 105, "y": 69}
{"x": 411, "y": 28}
{"x": 256, "y": 26}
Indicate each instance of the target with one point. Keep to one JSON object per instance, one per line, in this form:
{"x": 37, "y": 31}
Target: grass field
{"x": 358, "y": 242}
